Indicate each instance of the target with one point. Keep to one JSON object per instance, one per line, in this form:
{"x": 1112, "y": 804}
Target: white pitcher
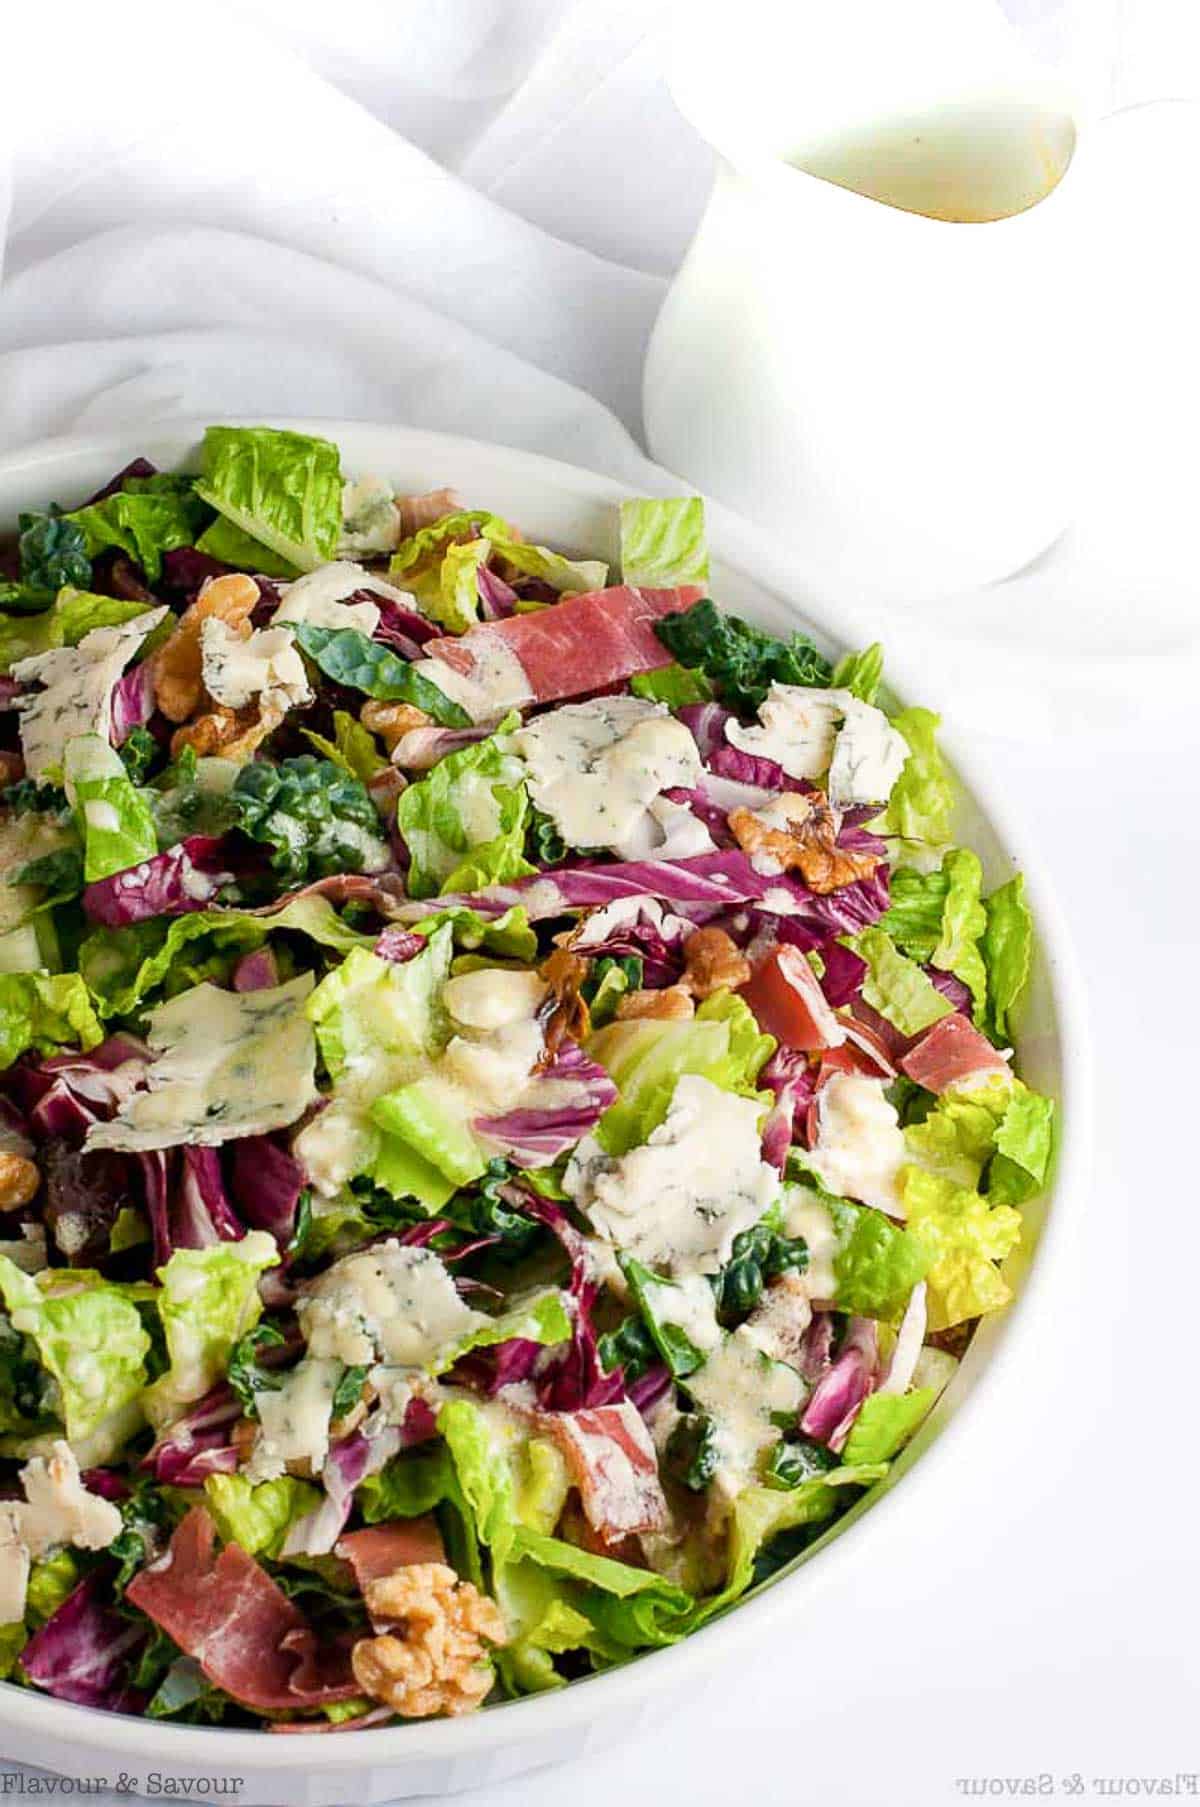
{"x": 868, "y": 344}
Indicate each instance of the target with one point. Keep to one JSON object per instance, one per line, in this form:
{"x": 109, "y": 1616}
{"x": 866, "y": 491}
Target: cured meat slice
{"x": 613, "y": 1464}
{"x": 789, "y": 1004}
{"x": 382, "y": 1549}
{"x": 581, "y": 644}
{"x": 244, "y": 1632}
{"x": 950, "y": 1054}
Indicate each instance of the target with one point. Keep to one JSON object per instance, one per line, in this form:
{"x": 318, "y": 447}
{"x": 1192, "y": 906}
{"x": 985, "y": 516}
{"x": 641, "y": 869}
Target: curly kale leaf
{"x": 630, "y": 1347}
{"x": 246, "y": 1376}
{"x": 316, "y": 818}
{"x": 758, "y": 1255}
{"x": 53, "y": 552}
{"x": 543, "y": 843}
{"x": 741, "y": 661}
{"x": 138, "y": 754}
{"x": 350, "y": 658}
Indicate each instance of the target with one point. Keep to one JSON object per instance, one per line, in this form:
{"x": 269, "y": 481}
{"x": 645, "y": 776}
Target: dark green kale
{"x": 59, "y": 873}
{"x": 316, "y": 818}
{"x": 245, "y": 1373}
{"x": 544, "y": 846}
{"x": 796, "y": 1460}
{"x": 53, "y": 552}
{"x": 742, "y": 661}
{"x": 350, "y": 658}
{"x": 25, "y": 795}
{"x": 691, "y": 1455}
{"x": 144, "y": 1519}
{"x": 138, "y": 754}
{"x": 631, "y": 1347}
{"x": 758, "y": 1255}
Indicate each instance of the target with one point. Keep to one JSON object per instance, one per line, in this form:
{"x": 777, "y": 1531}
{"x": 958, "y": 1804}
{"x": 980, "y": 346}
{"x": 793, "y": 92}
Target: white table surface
{"x": 1036, "y": 1622}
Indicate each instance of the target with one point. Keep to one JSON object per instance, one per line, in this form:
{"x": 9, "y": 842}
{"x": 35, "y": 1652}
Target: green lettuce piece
{"x": 410, "y": 1486}
{"x": 876, "y": 1264}
{"x": 258, "y": 1517}
{"x": 223, "y": 541}
{"x": 122, "y": 966}
{"x": 1024, "y": 1144}
{"x": 455, "y": 603}
{"x": 284, "y": 489}
{"x": 148, "y": 517}
{"x": 434, "y": 1124}
{"x": 673, "y": 685}
{"x": 860, "y": 673}
{"x": 913, "y": 919}
{"x": 510, "y": 936}
{"x": 921, "y": 805}
{"x": 761, "y": 1513}
{"x": 369, "y": 1010}
{"x": 1007, "y": 948}
{"x": 895, "y": 985}
{"x": 965, "y": 1236}
{"x": 13, "y": 1639}
{"x": 663, "y": 541}
{"x": 41, "y": 863}
{"x": 1002, "y": 1120}
{"x": 541, "y": 1319}
{"x": 634, "y": 1609}
{"x": 209, "y": 1299}
{"x": 646, "y": 1057}
{"x": 353, "y": 747}
{"x": 964, "y": 920}
{"x": 114, "y": 818}
{"x": 90, "y": 1338}
{"x": 46, "y": 1012}
{"x": 885, "y": 1422}
{"x": 464, "y": 824}
{"x": 350, "y": 658}
{"x": 417, "y": 561}
{"x": 569, "y": 576}
{"x": 71, "y": 615}
{"x": 653, "y": 1297}
{"x": 50, "y": 1581}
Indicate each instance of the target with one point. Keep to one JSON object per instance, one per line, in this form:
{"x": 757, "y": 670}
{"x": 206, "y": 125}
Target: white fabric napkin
{"x": 462, "y": 214}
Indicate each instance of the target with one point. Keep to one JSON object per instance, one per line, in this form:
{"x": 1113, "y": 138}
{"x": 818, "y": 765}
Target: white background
{"x": 461, "y": 213}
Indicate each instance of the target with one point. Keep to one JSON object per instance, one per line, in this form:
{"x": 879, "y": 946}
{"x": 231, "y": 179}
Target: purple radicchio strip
{"x": 132, "y": 702}
{"x": 953, "y": 988}
{"x": 185, "y": 877}
{"x": 534, "y": 1136}
{"x": 399, "y": 945}
{"x": 838, "y": 1395}
{"x": 496, "y": 598}
{"x": 83, "y": 1651}
{"x": 258, "y": 971}
{"x": 266, "y": 1182}
{"x": 793, "y": 1079}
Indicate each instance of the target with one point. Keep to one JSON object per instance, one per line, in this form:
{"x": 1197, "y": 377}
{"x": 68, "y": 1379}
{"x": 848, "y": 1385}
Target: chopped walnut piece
{"x": 243, "y": 1437}
{"x": 434, "y": 1661}
{"x": 178, "y": 684}
{"x": 392, "y": 721}
{"x": 712, "y": 961}
{"x": 799, "y": 832}
{"x": 565, "y": 972}
{"x": 228, "y": 733}
{"x": 19, "y": 1181}
{"x": 671, "y": 1004}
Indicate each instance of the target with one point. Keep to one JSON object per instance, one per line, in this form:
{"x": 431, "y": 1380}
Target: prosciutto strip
{"x": 382, "y": 1549}
{"x": 950, "y": 1054}
{"x": 613, "y": 1464}
{"x": 247, "y": 1636}
{"x": 581, "y": 644}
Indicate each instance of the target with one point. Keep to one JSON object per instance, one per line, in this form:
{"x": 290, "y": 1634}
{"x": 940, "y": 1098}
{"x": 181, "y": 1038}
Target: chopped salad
{"x": 508, "y": 1119}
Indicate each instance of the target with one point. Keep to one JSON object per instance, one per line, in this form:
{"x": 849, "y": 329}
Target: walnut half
{"x": 799, "y": 831}
{"x": 434, "y": 1660}
{"x": 19, "y": 1181}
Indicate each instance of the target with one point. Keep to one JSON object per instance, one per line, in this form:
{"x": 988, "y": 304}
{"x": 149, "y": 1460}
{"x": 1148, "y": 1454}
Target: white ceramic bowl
{"x": 573, "y": 509}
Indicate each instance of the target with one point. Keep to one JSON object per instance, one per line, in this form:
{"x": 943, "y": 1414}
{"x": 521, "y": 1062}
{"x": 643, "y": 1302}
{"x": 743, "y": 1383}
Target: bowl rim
{"x": 766, "y": 560}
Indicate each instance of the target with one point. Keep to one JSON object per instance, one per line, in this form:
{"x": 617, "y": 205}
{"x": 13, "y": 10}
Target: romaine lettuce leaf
{"x": 258, "y": 1517}
{"x": 895, "y": 985}
{"x": 1024, "y": 1143}
{"x": 209, "y": 1299}
{"x": 149, "y": 517}
{"x": 509, "y": 936}
{"x": 663, "y": 541}
{"x": 114, "y": 818}
{"x": 1002, "y": 1120}
{"x": 964, "y": 920}
{"x": 90, "y": 1338}
{"x": 884, "y": 1423}
{"x": 353, "y": 747}
{"x": 284, "y": 489}
{"x": 417, "y": 561}
{"x": 1007, "y": 948}
{"x": 673, "y": 685}
{"x": 860, "y": 673}
{"x": 369, "y": 1010}
{"x": 464, "y": 824}
{"x": 45, "y": 1011}
{"x": 222, "y": 540}
{"x": 922, "y": 802}
{"x": 72, "y": 614}
{"x": 965, "y": 1236}
{"x": 645, "y": 1057}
